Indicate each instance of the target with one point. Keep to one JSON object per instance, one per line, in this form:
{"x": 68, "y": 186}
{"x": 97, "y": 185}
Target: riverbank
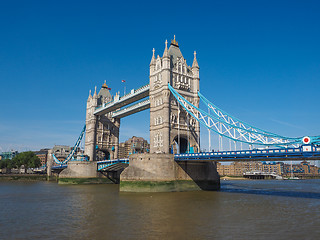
{"x": 232, "y": 178}
{"x": 305, "y": 177}
{"x": 24, "y": 177}
{"x": 85, "y": 181}
{"x": 43, "y": 177}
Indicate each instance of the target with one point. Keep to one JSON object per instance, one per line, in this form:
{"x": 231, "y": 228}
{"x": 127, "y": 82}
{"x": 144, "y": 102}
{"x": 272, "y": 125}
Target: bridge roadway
{"x": 305, "y": 152}
{"x": 113, "y": 165}
{"x": 117, "y": 103}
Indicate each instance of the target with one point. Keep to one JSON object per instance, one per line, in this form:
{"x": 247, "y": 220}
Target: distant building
{"x": 234, "y": 169}
{"x": 273, "y": 167}
{"x": 302, "y": 169}
{"x": 61, "y": 152}
{"x": 279, "y": 168}
{"x": 8, "y": 155}
{"x": 133, "y": 145}
{"x": 238, "y": 168}
{"x": 42, "y": 154}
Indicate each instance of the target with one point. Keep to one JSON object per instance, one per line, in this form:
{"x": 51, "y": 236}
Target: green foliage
{"x": 28, "y": 159}
{"x": 5, "y": 163}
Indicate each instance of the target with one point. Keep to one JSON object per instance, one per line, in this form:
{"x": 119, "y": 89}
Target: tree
{"x": 5, "y": 163}
{"x": 28, "y": 159}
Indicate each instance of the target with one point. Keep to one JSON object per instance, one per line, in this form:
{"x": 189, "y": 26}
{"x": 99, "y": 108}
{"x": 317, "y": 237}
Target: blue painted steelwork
{"x": 300, "y": 153}
{"x": 61, "y": 166}
{"x": 107, "y": 163}
{"x": 229, "y": 127}
{"x": 226, "y": 117}
{"x": 74, "y": 149}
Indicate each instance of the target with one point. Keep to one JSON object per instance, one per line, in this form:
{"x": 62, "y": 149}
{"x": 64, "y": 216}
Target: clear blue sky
{"x": 259, "y": 61}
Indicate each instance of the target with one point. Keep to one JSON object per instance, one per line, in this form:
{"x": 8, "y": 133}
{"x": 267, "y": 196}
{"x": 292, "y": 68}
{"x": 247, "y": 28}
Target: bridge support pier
{"x": 78, "y": 170}
{"x": 160, "y": 173}
{"x": 49, "y": 164}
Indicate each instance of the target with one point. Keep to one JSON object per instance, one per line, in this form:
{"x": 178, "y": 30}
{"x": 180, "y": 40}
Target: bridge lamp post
{"x": 209, "y": 133}
{"x": 179, "y": 127}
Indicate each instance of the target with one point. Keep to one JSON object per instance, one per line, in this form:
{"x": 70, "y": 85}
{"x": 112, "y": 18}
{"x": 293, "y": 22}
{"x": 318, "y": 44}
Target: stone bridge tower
{"x": 102, "y": 132}
{"x": 172, "y": 130}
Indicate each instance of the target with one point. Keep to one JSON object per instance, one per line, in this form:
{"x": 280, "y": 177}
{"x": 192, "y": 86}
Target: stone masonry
{"x": 167, "y": 119}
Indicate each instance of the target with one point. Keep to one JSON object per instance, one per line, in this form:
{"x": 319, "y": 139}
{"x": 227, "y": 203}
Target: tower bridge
{"x": 171, "y": 129}
{"x": 173, "y": 97}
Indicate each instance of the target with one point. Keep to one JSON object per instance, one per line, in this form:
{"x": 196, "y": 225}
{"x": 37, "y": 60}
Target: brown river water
{"x": 248, "y": 209}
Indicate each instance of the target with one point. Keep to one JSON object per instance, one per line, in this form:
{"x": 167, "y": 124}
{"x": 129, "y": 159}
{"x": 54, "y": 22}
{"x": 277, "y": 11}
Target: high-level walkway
{"x": 119, "y": 102}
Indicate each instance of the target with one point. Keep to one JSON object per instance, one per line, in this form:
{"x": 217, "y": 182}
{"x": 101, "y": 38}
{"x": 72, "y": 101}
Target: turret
{"x": 195, "y": 65}
{"x": 153, "y": 62}
{"x": 165, "y": 57}
{"x": 95, "y": 92}
{"x": 90, "y": 97}
{"x": 195, "y": 71}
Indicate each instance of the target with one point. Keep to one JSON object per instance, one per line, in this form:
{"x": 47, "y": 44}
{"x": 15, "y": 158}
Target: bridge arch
{"x": 180, "y": 144}
{"x": 103, "y": 154}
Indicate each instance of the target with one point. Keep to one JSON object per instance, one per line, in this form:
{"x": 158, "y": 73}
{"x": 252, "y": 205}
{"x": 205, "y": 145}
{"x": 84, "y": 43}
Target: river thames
{"x": 248, "y": 209}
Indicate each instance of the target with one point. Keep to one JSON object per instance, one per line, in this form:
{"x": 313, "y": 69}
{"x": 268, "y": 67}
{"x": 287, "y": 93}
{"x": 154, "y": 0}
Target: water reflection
{"x": 241, "y": 210}
{"x": 284, "y": 189}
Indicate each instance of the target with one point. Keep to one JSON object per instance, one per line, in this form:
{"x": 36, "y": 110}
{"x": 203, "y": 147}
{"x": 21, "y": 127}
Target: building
{"x": 133, "y": 145}
{"x": 169, "y": 126}
{"x": 102, "y": 134}
{"x": 302, "y": 169}
{"x": 233, "y": 169}
{"x": 238, "y": 168}
{"x": 273, "y": 167}
{"x": 42, "y": 154}
{"x": 279, "y": 168}
{"x": 61, "y": 152}
{"x": 8, "y": 155}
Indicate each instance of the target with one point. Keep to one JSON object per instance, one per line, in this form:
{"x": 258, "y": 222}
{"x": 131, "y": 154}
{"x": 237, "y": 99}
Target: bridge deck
{"x": 138, "y": 107}
{"x": 112, "y": 165}
{"x": 287, "y": 154}
{"x": 133, "y": 96}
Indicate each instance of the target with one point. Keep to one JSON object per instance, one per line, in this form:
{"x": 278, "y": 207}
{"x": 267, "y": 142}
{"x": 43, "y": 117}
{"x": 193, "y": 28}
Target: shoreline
{"x": 233, "y": 178}
{"x": 25, "y": 177}
{"x": 242, "y": 178}
{"x": 44, "y": 177}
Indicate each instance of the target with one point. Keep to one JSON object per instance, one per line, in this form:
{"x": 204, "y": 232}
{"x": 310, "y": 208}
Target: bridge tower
{"x": 172, "y": 130}
{"x": 102, "y": 132}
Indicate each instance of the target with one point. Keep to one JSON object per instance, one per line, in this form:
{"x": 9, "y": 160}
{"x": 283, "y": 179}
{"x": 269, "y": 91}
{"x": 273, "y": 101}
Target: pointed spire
{"x": 166, "y": 53}
{"x": 153, "y": 61}
{"x": 90, "y": 97}
{"x": 104, "y": 85}
{"x": 195, "y": 62}
{"x": 95, "y": 92}
{"x": 174, "y": 42}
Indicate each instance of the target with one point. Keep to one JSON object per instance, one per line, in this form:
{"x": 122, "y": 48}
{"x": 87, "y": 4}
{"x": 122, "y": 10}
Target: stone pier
{"x": 160, "y": 173}
{"x": 78, "y": 171}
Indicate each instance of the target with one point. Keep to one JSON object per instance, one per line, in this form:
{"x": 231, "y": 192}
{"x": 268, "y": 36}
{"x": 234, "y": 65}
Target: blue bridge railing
{"x": 107, "y": 163}
{"x": 282, "y": 154}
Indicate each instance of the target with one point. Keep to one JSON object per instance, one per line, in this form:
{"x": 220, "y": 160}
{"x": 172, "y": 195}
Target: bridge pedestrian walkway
{"x": 308, "y": 152}
{"x": 118, "y": 102}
